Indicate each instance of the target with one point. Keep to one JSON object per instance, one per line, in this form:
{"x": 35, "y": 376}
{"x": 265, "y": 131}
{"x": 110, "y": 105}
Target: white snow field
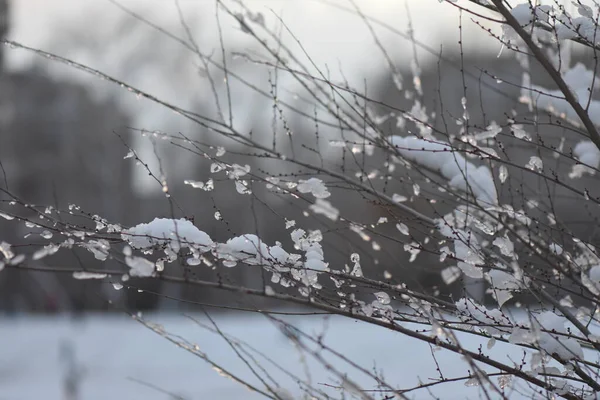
{"x": 114, "y": 354}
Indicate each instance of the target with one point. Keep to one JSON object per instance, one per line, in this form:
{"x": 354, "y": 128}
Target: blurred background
{"x": 64, "y": 134}
{"x": 63, "y": 131}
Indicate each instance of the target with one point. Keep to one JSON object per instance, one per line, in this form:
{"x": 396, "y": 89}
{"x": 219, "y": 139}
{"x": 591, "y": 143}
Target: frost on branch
{"x": 442, "y": 157}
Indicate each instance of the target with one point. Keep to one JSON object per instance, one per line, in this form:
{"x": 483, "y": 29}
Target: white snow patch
{"x": 314, "y": 186}
{"x": 88, "y": 275}
{"x": 176, "y": 234}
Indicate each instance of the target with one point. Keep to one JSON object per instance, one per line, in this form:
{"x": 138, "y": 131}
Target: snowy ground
{"x": 117, "y": 353}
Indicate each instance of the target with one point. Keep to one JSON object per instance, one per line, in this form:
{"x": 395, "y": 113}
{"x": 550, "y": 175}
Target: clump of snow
{"x": 99, "y": 248}
{"x": 237, "y": 171}
{"x": 309, "y": 244}
{"x": 5, "y": 250}
{"x": 382, "y": 297}
{"x": 251, "y": 250}
{"x": 140, "y": 267}
{"x": 506, "y": 246}
{"x": 356, "y": 269}
{"x": 283, "y": 394}
{"x": 583, "y": 27}
{"x": 314, "y": 186}
{"x": 290, "y": 223}
{"x": 88, "y": 275}
{"x": 588, "y": 155}
{"x": 535, "y": 164}
{"x": 241, "y": 186}
{"x": 525, "y": 14}
{"x": 325, "y": 208}
{"x": 519, "y": 215}
{"x": 45, "y": 251}
{"x": 403, "y": 228}
{"x": 555, "y": 248}
{"x": 418, "y": 115}
{"x": 503, "y": 284}
{"x": 466, "y": 249}
{"x": 502, "y": 173}
{"x": 450, "y": 275}
{"x": 441, "y": 157}
{"x": 206, "y": 186}
{"x": 16, "y": 260}
{"x": 595, "y": 273}
{"x": 567, "y": 26}
{"x": 174, "y": 234}
{"x": 591, "y": 279}
{"x": 6, "y": 216}
{"x": 398, "y": 198}
{"x": 579, "y": 79}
